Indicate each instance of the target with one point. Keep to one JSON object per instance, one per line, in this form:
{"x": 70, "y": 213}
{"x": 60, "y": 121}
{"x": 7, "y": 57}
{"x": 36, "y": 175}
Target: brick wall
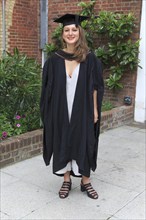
{"x": 59, "y": 7}
{"x": 20, "y": 147}
{"x": 23, "y": 17}
{"x": 116, "y": 117}
{"x": 29, "y": 144}
{"x": 22, "y": 27}
{"x": 129, "y": 89}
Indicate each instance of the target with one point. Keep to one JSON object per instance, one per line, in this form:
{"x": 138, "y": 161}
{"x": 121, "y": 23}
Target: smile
{"x": 70, "y": 38}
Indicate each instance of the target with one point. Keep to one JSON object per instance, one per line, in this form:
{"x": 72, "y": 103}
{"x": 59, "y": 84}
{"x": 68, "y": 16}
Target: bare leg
{"x": 66, "y": 186}
{"x": 67, "y": 176}
{"x": 85, "y": 179}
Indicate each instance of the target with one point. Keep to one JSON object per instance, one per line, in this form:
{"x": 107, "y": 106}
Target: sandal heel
{"x": 70, "y": 187}
{"x": 83, "y": 188}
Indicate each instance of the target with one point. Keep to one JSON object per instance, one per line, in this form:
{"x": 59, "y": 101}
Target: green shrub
{"x": 20, "y": 91}
{"x": 6, "y": 129}
{"x": 110, "y": 34}
{"x": 106, "y": 106}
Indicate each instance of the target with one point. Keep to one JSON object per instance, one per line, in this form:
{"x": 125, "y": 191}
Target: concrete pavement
{"x": 29, "y": 190}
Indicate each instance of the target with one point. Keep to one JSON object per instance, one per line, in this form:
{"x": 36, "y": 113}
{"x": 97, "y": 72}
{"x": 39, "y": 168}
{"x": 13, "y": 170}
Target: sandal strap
{"x": 87, "y": 185}
{"x": 64, "y": 191}
{"x": 89, "y": 188}
{"x": 66, "y": 184}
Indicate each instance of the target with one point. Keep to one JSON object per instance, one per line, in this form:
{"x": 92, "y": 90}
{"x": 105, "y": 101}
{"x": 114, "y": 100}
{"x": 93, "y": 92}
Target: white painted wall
{"x": 140, "y": 99}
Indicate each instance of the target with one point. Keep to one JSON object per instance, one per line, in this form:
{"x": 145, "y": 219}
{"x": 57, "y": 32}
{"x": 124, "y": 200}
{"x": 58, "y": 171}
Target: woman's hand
{"x": 95, "y": 115}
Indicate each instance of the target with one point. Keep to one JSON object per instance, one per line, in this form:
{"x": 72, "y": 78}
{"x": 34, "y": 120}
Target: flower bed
{"x": 29, "y": 144}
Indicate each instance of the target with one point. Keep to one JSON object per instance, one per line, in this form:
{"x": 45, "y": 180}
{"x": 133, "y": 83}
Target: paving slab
{"x": 7, "y": 179}
{"x": 25, "y": 167}
{"x": 67, "y": 209}
{"x": 123, "y": 177}
{"x": 20, "y": 198}
{"x": 134, "y": 209}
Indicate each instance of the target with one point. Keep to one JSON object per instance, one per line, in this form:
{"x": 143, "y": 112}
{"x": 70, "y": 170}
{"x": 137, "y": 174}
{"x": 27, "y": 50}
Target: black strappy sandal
{"x": 65, "y": 188}
{"x": 91, "y": 193}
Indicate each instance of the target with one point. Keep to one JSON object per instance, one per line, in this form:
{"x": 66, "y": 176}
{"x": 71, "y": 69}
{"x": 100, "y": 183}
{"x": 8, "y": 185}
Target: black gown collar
{"x": 65, "y": 55}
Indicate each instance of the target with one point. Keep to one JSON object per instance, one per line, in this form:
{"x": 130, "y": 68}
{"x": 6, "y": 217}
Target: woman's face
{"x": 70, "y": 34}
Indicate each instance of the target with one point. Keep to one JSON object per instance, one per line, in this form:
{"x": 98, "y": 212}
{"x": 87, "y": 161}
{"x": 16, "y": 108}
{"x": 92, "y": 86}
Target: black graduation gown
{"x": 77, "y": 139}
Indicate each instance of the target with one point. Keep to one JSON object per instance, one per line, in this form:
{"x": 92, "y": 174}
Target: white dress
{"x": 71, "y": 83}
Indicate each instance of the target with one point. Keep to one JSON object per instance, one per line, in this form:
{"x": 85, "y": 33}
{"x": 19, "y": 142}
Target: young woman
{"x": 72, "y": 92}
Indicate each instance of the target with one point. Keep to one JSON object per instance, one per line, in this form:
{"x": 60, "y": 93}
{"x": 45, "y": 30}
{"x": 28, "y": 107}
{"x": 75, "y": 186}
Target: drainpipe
{"x": 43, "y": 27}
{"x": 3, "y": 28}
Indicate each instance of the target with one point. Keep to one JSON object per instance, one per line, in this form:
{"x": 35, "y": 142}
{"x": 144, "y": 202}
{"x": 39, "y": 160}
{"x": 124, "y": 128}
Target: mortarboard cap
{"x": 68, "y": 19}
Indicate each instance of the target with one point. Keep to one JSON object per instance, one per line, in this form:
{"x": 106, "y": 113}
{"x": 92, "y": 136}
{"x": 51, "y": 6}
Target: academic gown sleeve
{"x": 47, "y": 79}
{"x": 46, "y": 110}
{"x": 98, "y": 85}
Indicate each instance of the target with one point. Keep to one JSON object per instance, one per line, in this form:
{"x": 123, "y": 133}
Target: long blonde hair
{"x": 81, "y": 48}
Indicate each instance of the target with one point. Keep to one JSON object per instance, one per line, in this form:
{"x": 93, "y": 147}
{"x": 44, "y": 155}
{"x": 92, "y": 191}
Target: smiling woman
{"x": 72, "y": 92}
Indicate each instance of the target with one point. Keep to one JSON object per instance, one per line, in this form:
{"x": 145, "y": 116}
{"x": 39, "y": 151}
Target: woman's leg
{"x": 67, "y": 176}
{"x": 85, "y": 179}
{"x": 66, "y": 186}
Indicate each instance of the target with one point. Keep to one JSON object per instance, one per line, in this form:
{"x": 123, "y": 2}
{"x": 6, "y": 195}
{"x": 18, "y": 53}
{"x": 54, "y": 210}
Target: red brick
{"x": 2, "y": 148}
{"x": 13, "y": 145}
{"x": 15, "y": 153}
{"x": 6, "y": 162}
{"x": 35, "y": 152}
{"x": 7, "y": 155}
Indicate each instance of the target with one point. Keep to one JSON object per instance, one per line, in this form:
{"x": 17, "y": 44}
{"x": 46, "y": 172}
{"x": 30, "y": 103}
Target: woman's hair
{"x": 81, "y": 48}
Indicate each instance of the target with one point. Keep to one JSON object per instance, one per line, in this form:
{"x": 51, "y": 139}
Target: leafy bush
{"x": 20, "y": 93}
{"x": 111, "y": 34}
{"x": 106, "y": 106}
{"x": 6, "y": 129}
